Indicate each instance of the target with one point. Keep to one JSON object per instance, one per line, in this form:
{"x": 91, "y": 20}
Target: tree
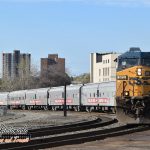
{"x": 53, "y": 77}
{"x": 83, "y": 78}
{"x": 31, "y": 79}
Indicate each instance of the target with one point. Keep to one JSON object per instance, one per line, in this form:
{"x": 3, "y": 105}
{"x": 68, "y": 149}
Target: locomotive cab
{"x": 133, "y": 87}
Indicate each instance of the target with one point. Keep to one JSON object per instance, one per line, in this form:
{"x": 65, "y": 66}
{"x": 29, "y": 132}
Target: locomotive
{"x": 133, "y": 87}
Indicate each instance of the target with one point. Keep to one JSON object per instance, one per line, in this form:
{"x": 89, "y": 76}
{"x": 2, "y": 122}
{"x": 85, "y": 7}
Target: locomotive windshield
{"x": 127, "y": 62}
{"x": 133, "y": 57}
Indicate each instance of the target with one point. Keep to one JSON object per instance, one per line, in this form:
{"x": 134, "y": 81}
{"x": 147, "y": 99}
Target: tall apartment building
{"x": 52, "y": 63}
{"x": 102, "y": 67}
{"x": 12, "y": 63}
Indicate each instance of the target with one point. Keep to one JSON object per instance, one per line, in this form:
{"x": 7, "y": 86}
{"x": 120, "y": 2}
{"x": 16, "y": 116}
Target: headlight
{"x": 126, "y": 93}
{"x": 139, "y": 71}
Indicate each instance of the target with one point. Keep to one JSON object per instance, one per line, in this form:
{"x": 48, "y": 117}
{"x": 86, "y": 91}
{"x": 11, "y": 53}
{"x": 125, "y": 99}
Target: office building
{"x": 102, "y": 67}
{"x": 15, "y": 64}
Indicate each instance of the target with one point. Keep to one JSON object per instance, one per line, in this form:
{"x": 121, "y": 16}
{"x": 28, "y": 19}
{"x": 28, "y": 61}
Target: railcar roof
{"x": 101, "y": 84}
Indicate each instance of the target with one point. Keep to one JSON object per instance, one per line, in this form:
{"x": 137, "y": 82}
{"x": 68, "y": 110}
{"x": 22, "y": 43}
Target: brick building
{"x": 52, "y": 63}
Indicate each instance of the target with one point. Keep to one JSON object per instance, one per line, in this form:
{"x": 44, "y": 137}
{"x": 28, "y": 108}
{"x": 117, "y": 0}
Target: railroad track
{"x": 57, "y": 130}
{"x": 78, "y": 138}
{"x": 71, "y": 127}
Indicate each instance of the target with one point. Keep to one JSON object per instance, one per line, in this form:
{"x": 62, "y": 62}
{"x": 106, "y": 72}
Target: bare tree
{"x": 53, "y": 77}
{"x": 29, "y": 79}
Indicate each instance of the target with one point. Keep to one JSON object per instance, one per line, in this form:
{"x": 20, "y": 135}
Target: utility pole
{"x": 65, "y": 107}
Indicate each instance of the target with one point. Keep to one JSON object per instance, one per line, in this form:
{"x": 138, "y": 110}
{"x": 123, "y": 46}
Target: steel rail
{"x": 77, "y": 138}
{"x": 73, "y": 127}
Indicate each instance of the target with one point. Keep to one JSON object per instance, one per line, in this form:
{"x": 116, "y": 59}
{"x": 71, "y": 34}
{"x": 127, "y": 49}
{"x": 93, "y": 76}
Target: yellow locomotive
{"x": 133, "y": 87}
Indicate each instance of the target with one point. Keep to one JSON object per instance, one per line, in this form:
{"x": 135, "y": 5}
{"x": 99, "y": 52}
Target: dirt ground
{"x": 35, "y": 118}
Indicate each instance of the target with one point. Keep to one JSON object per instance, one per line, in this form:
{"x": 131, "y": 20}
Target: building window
{"x": 108, "y": 71}
{"x": 99, "y": 72}
{"x": 103, "y": 72}
{"x": 108, "y": 60}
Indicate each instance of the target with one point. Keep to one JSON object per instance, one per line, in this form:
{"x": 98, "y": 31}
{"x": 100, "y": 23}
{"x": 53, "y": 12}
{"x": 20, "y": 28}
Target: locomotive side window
{"x": 147, "y": 73}
{"x": 146, "y": 62}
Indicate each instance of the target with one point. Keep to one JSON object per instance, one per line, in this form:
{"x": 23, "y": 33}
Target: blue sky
{"x": 74, "y": 28}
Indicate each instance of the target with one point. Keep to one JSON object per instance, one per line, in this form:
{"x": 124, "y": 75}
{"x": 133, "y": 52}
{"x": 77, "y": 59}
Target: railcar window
{"x": 93, "y": 94}
{"x": 73, "y": 95}
{"x": 48, "y": 95}
{"x": 63, "y": 94}
{"x": 90, "y": 94}
{"x": 97, "y": 93}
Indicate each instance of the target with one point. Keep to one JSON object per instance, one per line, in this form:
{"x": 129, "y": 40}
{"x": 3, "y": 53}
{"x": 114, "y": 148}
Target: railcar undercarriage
{"x": 133, "y": 110}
